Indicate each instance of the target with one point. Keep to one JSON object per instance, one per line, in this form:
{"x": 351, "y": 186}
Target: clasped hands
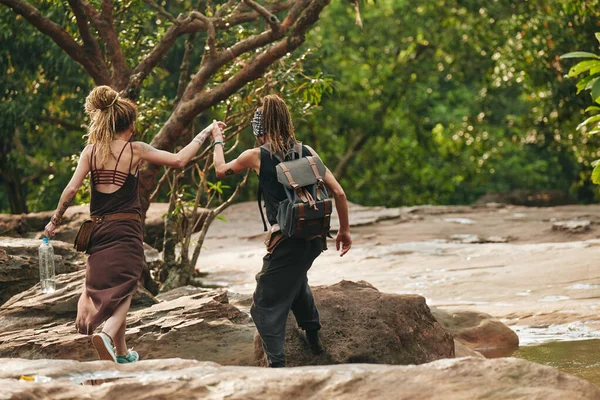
{"x": 217, "y": 131}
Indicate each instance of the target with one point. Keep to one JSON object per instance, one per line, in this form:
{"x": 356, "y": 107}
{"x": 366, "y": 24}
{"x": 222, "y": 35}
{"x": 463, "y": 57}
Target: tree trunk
{"x": 342, "y": 166}
{"x": 16, "y": 198}
{"x": 178, "y": 275}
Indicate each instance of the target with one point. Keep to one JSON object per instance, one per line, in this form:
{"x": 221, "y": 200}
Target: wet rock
{"x": 461, "y": 221}
{"x": 575, "y": 226}
{"x": 475, "y": 239}
{"x": 200, "y": 325}
{"x": 478, "y": 331}
{"x": 456, "y": 379}
{"x": 362, "y": 325}
{"x": 466, "y": 238}
{"x": 19, "y": 264}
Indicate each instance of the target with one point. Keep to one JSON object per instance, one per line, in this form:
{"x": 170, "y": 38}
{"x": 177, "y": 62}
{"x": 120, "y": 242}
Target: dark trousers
{"x": 282, "y": 286}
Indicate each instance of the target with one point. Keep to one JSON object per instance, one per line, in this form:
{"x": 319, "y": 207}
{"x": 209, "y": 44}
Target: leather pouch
{"x": 273, "y": 240}
{"x": 82, "y": 240}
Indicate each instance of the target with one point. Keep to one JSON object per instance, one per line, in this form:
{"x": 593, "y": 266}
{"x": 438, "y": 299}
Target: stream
{"x": 573, "y": 348}
{"x": 580, "y": 358}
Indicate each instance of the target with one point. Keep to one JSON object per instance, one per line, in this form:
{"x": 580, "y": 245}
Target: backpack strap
{"x": 315, "y": 170}
{"x": 303, "y": 194}
{"x": 299, "y": 149}
{"x": 278, "y": 155}
{"x": 260, "y": 208}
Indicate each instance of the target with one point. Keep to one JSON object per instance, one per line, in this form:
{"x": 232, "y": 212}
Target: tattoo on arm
{"x": 64, "y": 206}
{"x": 229, "y": 172}
{"x": 201, "y": 137}
{"x": 146, "y": 147}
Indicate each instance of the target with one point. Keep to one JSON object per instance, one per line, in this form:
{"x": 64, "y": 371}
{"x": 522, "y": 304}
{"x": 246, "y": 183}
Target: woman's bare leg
{"x": 116, "y": 324}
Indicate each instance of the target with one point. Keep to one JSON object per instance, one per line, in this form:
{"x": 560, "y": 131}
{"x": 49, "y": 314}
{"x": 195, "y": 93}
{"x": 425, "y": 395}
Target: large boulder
{"x": 198, "y": 324}
{"x": 457, "y": 379}
{"x": 19, "y": 264}
{"x": 478, "y": 331}
{"x": 362, "y": 325}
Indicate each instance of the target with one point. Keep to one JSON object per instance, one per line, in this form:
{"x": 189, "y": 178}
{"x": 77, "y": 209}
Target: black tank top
{"x": 272, "y": 191}
{"x": 126, "y": 199}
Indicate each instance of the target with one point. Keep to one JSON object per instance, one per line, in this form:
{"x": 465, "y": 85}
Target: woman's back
{"x": 114, "y": 186}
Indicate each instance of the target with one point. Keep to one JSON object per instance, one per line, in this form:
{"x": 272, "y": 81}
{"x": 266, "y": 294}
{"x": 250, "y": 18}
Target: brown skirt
{"x": 112, "y": 272}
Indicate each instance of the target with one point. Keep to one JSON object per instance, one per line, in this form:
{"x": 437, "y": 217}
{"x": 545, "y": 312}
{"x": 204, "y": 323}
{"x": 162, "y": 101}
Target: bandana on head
{"x": 257, "y": 123}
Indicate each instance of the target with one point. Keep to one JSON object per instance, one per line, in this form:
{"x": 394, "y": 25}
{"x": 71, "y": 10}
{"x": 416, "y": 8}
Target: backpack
{"x": 306, "y": 212}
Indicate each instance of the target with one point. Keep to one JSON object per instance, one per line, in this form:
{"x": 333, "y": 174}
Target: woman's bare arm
{"x": 178, "y": 160}
{"x": 68, "y": 194}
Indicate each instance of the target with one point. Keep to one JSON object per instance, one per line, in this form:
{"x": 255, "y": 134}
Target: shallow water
{"x": 579, "y": 358}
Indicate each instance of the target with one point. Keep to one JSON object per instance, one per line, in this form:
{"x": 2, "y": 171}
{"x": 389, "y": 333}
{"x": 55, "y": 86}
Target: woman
{"x": 116, "y": 251}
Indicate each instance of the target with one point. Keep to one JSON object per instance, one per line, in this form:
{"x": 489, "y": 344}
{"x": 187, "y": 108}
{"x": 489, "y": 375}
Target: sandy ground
{"x": 539, "y": 277}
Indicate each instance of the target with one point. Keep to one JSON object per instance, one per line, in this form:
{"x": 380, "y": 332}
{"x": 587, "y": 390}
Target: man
{"x": 282, "y": 283}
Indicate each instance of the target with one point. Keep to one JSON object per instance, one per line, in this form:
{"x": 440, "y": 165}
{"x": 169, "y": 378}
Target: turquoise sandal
{"x": 104, "y": 346}
{"x": 132, "y": 356}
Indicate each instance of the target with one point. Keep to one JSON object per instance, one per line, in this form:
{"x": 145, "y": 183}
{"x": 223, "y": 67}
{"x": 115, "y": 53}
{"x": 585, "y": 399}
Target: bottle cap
{"x": 46, "y": 240}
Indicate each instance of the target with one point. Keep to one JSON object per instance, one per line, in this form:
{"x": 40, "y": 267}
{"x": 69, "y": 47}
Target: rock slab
{"x": 454, "y": 379}
{"x": 362, "y": 325}
{"x": 198, "y": 324}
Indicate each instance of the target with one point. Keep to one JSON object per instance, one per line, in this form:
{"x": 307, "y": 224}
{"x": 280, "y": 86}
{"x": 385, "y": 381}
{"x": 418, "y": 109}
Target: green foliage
{"x": 436, "y": 101}
{"x": 42, "y": 93}
{"x": 591, "y": 125}
{"x": 444, "y": 101}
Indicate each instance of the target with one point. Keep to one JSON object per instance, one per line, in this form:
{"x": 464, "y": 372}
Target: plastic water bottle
{"x": 47, "y": 271}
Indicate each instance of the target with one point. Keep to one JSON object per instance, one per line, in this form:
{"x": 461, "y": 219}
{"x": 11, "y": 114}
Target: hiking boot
{"x": 277, "y": 365}
{"x": 132, "y": 356}
{"x": 312, "y": 339}
{"x": 103, "y": 344}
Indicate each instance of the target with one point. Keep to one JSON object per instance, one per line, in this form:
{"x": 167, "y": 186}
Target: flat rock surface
{"x": 541, "y": 276}
{"x": 456, "y": 379}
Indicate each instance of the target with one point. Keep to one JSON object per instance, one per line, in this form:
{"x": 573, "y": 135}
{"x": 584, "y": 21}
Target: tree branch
{"x": 342, "y": 166}
{"x": 195, "y": 102}
{"x": 104, "y": 23}
{"x": 191, "y": 24}
{"x": 97, "y": 71}
{"x": 184, "y": 74}
{"x": 211, "y": 35}
{"x": 266, "y": 14}
{"x": 158, "y": 52}
{"x": 224, "y": 8}
{"x": 114, "y": 50}
{"x": 89, "y": 41}
{"x": 211, "y": 217}
{"x": 161, "y": 10}
{"x": 66, "y": 124}
{"x": 237, "y": 18}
